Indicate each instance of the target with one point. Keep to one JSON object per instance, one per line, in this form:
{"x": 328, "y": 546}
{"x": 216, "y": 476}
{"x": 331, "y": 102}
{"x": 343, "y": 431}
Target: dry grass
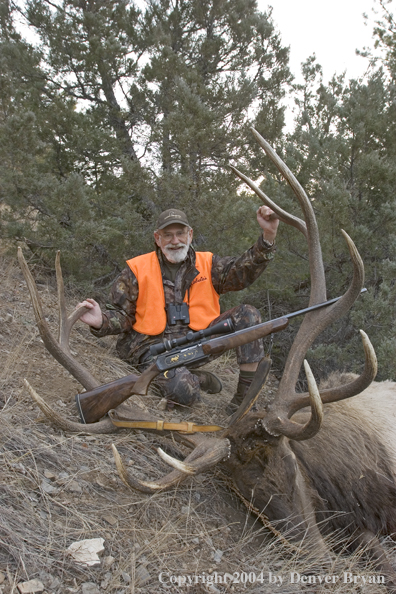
{"x": 57, "y": 488}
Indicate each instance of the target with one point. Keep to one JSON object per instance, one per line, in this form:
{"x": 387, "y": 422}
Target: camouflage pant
{"x": 181, "y": 385}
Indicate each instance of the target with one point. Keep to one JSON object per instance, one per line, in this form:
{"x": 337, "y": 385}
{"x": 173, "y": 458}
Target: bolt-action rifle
{"x": 195, "y": 346}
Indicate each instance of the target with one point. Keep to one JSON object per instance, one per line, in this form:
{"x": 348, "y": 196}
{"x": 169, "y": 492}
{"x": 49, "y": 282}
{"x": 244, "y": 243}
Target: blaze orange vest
{"x": 203, "y": 300}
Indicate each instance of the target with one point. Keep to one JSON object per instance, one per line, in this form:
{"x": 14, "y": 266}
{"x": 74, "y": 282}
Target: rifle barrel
{"x": 314, "y": 307}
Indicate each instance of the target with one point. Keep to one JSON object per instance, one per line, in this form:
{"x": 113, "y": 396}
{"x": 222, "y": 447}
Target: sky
{"x": 333, "y": 30}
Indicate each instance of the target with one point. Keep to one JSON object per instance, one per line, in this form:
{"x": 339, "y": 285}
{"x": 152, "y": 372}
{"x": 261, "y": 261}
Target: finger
{"x": 86, "y": 304}
{"x": 264, "y": 211}
{"x": 269, "y": 216}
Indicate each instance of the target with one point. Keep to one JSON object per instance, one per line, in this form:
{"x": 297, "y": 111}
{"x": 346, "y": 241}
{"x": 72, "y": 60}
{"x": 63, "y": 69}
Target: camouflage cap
{"x": 171, "y": 216}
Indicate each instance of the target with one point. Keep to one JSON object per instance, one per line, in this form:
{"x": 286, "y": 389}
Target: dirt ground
{"x": 58, "y": 488}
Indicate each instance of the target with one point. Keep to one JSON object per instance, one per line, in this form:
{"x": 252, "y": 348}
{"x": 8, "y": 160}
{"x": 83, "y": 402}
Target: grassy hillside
{"x": 58, "y": 488}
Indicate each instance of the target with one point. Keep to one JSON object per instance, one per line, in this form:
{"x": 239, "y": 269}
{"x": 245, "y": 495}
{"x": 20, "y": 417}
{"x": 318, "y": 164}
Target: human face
{"x": 174, "y": 241}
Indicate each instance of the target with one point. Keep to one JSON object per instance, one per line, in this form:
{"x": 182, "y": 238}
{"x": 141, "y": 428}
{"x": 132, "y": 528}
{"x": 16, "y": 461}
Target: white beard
{"x": 176, "y": 253}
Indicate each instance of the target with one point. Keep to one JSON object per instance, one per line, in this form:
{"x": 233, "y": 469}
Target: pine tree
{"x": 344, "y": 154}
{"x": 134, "y": 112}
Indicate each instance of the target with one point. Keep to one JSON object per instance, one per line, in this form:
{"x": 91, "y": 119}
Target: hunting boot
{"x": 244, "y": 382}
{"x": 208, "y": 381}
{"x": 179, "y": 387}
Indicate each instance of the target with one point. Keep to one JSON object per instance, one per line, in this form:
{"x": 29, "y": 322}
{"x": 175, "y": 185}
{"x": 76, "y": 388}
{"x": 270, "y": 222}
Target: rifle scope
{"x": 167, "y": 345}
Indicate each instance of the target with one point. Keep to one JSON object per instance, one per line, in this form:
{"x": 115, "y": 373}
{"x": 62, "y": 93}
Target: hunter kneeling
{"x": 164, "y": 294}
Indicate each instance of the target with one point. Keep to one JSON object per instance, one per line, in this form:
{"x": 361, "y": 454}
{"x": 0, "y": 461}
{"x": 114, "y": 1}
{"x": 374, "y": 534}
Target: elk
{"x": 314, "y": 462}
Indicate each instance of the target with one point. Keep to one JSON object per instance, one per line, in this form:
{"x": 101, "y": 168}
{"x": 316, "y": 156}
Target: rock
{"x": 89, "y": 588}
{"x": 74, "y": 487}
{"x": 108, "y": 561}
{"x": 47, "y": 488}
{"x": 30, "y": 587}
{"x": 217, "y": 555}
{"x": 126, "y": 577}
{"x": 212, "y": 589}
{"x": 142, "y": 575}
{"x": 162, "y": 404}
{"x": 102, "y": 482}
{"x": 85, "y": 551}
{"x": 49, "y": 475}
{"x": 185, "y": 509}
{"x": 55, "y": 583}
{"x": 107, "y": 579}
{"x": 110, "y": 520}
{"x": 2, "y": 577}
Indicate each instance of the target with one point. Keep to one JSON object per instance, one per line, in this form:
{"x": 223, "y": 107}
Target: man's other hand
{"x": 268, "y": 221}
{"x": 93, "y": 317}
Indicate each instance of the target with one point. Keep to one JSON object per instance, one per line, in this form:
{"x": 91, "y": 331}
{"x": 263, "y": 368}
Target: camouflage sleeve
{"x": 237, "y": 273}
{"x": 119, "y": 316}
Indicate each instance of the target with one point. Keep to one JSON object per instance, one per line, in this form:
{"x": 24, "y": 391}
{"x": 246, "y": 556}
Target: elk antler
{"x": 288, "y": 401}
{"x": 105, "y": 426}
{"x": 207, "y": 453}
{"x": 348, "y": 390}
{"x": 59, "y": 348}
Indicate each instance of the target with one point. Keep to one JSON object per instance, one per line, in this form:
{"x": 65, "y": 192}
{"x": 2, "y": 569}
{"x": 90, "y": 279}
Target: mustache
{"x": 175, "y": 247}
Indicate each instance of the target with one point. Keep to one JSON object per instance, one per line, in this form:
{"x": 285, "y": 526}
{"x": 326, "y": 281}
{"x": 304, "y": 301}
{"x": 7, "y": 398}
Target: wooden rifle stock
{"x": 94, "y": 404}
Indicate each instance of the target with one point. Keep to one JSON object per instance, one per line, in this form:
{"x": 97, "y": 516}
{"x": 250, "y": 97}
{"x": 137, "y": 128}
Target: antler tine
{"x": 318, "y": 284}
{"x": 283, "y": 216}
{"x": 105, "y": 426}
{"x": 176, "y": 464}
{"x": 57, "y": 348}
{"x": 62, "y": 306}
{"x": 347, "y": 390}
{"x": 313, "y": 324}
{"x": 207, "y": 454}
{"x": 65, "y": 322}
{"x": 283, "y": 426}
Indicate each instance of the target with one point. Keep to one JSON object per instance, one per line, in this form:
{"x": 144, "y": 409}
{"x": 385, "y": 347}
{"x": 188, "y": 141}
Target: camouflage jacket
{"x": 228, "y": 274}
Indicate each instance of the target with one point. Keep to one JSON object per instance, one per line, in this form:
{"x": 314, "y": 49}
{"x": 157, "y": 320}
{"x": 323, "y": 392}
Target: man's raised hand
{"x": 93, "y": 317}
{"x": 268, "y": 221}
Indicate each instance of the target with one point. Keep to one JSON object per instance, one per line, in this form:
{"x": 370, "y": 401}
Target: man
{"x": 173, "y": 289}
